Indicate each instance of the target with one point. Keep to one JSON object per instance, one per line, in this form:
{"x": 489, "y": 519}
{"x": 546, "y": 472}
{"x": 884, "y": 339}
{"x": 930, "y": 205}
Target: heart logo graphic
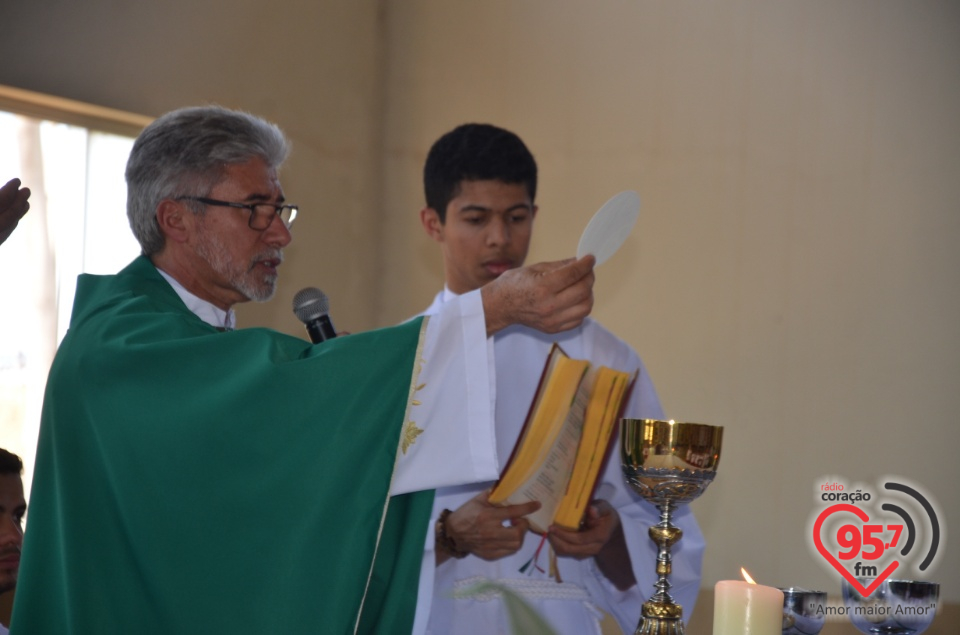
{"x": 862, "y": 515}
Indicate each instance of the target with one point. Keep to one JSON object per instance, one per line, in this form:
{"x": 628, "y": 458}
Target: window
{"x": 72, "y": 157}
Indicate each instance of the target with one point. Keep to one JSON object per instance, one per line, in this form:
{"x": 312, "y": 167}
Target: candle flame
{"x": 746, "y": 576}
{"x": 671, "y": 422}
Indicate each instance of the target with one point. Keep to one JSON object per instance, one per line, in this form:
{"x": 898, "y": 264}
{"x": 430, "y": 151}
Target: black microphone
{"x": 312, "y": 307}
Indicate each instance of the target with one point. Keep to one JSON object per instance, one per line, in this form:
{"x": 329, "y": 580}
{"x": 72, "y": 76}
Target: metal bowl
{"x": 804, "y": 611}
{"x": 896, "y": 607}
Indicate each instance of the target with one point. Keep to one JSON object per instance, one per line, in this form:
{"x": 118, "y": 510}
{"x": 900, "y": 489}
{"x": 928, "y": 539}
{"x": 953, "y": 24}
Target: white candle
{"x": 741, "y": 608}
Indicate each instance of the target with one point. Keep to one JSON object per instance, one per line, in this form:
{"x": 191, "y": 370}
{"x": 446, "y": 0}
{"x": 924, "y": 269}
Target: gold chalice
{"x": 668, "y": 464}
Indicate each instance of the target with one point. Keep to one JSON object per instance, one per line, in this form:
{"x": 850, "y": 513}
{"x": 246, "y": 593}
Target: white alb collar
{"x": 206, "y": 311}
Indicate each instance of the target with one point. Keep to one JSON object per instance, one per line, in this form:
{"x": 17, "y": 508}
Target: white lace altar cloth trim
{"x": 528, "y": 589}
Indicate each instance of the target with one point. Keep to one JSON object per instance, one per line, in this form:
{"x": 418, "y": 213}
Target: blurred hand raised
{"x": 13, "y": 205}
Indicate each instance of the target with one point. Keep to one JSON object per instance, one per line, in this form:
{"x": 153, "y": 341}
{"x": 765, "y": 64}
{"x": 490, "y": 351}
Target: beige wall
{"x": 793, "y": 276}
{"x": 794, "y": 273}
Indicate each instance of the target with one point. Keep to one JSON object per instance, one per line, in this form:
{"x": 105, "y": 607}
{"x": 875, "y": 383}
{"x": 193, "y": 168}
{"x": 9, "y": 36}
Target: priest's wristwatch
{"x": 444, "y": 541}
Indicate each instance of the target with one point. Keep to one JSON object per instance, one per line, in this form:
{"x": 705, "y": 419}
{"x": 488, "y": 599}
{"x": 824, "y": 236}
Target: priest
{"x": 192, "y": 477}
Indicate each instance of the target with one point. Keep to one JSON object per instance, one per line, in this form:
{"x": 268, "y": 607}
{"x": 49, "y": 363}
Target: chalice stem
{"x": 665, "y": 535}
{"x": 661, "y": 615}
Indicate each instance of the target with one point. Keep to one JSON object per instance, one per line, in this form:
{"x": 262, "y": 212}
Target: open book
{"x": 565, "y": 440}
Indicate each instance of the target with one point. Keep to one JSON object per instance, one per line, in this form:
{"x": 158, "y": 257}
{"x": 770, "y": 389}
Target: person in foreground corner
{"x": 13, "y": 507}
{"x": 480, "y": 182}
{"x": 190, "y": 480}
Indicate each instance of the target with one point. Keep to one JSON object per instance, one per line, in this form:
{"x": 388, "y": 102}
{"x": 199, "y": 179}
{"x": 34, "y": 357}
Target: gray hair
{"x": 184, "y": 153}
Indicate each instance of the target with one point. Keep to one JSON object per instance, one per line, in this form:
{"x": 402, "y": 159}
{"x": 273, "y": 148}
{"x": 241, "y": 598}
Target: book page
{"x": 599, "y": 422}
{"x": 549, "y": 483}
{"x": 551, "y": 407}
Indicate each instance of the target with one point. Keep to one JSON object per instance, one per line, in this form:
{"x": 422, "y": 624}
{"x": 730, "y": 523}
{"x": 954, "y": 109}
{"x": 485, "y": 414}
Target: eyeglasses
{"x": 261, "y": 214}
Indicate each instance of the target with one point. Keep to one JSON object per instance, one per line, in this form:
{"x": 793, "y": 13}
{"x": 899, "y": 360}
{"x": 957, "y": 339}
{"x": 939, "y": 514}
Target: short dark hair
{"x": 475, "y": 152}
{"x": 10, "y": 463}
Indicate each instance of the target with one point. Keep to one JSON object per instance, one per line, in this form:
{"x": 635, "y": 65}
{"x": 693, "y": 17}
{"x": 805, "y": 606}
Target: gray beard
{"x": 244, "y": 280}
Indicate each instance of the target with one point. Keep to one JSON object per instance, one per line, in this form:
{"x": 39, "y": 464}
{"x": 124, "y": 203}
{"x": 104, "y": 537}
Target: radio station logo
{"x": 869, "y": 533}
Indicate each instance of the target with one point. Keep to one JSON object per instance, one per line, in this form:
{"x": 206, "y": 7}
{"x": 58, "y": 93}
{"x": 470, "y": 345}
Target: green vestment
{"x": 192, "y": 481}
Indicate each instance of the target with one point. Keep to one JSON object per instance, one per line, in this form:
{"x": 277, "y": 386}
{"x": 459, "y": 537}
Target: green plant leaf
{"x": 524, "y": 620}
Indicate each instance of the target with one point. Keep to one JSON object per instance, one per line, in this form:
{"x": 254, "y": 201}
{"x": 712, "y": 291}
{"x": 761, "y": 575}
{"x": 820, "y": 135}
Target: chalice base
{"x": 659, "y": 626}
{"x": 660, "y": 618}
